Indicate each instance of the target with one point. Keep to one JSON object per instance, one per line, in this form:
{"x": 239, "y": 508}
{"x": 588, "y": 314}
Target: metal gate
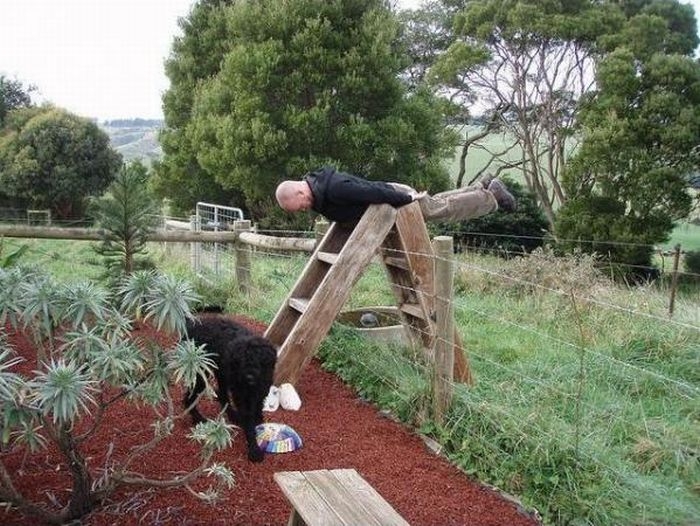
{"x": 214, "y": 218}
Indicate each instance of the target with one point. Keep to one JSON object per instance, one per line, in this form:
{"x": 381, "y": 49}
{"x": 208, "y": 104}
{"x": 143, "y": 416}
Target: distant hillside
{"x": 135, "y": 138}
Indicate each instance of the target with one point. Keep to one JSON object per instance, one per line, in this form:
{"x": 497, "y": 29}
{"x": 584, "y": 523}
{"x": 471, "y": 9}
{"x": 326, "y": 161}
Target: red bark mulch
{"x": 338, "y": 430}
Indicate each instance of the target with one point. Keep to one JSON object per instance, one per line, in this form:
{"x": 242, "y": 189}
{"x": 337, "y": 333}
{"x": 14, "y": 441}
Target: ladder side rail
{"x": 332, "y": 292}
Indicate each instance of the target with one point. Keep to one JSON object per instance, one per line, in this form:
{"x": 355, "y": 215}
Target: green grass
{"x": 66, "y": 259}
{"x": 687, "y": 235}
{"x": 587, "y": 397}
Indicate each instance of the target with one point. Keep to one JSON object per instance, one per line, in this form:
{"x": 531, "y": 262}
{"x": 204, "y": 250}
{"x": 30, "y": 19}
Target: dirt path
{"x": 339, "y": 431}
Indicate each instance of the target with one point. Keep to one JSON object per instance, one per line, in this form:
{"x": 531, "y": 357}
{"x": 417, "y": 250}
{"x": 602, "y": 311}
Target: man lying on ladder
{"x": 341, "y": 197}
{"x": 307, "y": 314}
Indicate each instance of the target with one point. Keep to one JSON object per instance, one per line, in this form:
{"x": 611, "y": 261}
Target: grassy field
{"x": 587, "y": 401}
{"x": 687, "y": 235}
{"x": 587, "y": 397}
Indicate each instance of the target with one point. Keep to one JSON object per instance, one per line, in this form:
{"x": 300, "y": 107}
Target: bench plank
{"x": 369, "y": 498}
{"x": 338, "y": 497}
{"x": 307, "y": 503}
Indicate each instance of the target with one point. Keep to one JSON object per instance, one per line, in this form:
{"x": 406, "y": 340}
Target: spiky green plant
{"x": 78, "y": 373}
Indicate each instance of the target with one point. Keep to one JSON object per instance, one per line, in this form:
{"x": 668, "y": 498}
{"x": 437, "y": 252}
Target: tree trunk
{"x": 81, "y": 500}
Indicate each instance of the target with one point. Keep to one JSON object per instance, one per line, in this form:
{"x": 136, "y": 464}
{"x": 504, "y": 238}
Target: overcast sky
{"x": 97, "y": 58}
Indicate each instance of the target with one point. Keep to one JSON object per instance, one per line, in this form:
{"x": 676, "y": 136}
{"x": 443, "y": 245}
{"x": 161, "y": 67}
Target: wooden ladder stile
{"x": 312, "y": 305}
{"x": 408, "y": 259}
{"x": 319, "y": 294}
{"x": 420, "y": 258}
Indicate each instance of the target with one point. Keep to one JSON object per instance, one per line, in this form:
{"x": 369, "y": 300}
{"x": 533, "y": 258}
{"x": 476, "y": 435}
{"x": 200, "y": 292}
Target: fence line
{"x": 510, "y": 390}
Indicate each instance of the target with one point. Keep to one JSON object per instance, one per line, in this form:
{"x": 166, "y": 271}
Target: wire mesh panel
{"x": 39, "y": 217}
{"x": 213, "y": 217}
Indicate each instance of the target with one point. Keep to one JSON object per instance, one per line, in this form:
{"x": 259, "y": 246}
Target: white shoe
{"x": 272, "y": 400}
{"x": 289, "y": 399}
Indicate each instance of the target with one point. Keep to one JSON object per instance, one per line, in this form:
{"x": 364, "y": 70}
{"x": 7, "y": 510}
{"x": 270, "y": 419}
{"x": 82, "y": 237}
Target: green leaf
{"x": 63, "y": 391}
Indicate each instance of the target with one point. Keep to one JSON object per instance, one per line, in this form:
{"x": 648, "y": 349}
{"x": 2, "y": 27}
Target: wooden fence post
{"x": 195, "y": 246}
{"x": 674, "y": 279}
{"x": 243, "y": 259}
{"x": 443, "y": 370}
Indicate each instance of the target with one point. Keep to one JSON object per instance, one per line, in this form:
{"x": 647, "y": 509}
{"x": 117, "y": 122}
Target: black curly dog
{"x": 245, "y": 366}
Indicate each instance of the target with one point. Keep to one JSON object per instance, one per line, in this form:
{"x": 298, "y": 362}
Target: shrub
{"x": 692, "y": 262}
{"x": 59, "y": 406}
{"x": 127, "y": 213}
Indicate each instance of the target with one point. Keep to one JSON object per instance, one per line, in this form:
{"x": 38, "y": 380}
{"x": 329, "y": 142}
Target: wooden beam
{"x": 97, "y": 234}
{"x": 297, "y": 244}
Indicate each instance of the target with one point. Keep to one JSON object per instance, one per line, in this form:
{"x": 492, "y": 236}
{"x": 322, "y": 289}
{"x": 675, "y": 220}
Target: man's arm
{"x": 362, "y": 192}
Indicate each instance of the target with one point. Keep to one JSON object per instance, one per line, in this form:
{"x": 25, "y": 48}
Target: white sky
{"x": 97, "y": 58}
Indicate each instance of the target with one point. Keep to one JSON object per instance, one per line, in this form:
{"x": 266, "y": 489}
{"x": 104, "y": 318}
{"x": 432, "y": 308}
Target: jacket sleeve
{"x": 355, "y": 191}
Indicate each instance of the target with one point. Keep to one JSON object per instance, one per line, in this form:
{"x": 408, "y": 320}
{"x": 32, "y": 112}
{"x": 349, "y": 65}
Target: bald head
{"x": 293, "y": 196}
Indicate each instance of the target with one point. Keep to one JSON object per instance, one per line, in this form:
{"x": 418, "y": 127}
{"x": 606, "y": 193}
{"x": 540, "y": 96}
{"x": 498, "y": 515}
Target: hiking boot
{"x": 504, "y": 198}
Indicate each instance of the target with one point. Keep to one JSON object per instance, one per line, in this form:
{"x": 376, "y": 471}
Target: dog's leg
{"x": 190, "y": 400}
{"x": 255, "y": 454}
{"x": 248, "y": 416}
{"x": 226, "y": 405}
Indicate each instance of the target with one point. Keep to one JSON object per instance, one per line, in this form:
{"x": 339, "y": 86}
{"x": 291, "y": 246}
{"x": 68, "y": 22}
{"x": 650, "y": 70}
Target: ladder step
{"x": 396, "y": 262}
{"x": 327, "y": 257}
{"x": 299, "y": 304}
{"x": 413, "y": 309}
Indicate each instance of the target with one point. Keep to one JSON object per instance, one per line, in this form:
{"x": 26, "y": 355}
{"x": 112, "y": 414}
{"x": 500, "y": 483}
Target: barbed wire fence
{"x": 560, "y": 354}
{"x": 607, "y": 359}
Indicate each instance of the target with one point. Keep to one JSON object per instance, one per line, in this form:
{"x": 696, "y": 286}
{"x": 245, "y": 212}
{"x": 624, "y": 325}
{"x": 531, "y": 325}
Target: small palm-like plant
{"x": 127, "y": 213}
{"x": 87, "y": 356}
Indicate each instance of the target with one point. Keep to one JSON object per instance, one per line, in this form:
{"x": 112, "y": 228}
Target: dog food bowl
{"x": 377, "y": 324}
{"x": 277, "y": 438}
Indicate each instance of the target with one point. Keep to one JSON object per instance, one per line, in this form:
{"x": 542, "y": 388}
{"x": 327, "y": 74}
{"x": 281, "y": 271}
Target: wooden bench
{"x": 338, "y": 497}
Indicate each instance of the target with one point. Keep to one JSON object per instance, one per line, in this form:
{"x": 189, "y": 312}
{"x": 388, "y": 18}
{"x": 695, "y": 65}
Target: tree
{"x": 60, "y": 404}
{"x": 426, "y": 34}
{"x": 127, "y": 212}
{"x": 13, "y": 95}
{"x": 53, "y": 159}
{"x": 627, "y": 184}
{"x": 309, "y": 82}
{"x": 526, "y": 64}
{"x": 195, "y": 56}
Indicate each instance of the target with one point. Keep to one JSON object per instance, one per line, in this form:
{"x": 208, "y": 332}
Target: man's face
{"x": 302, "y": 198}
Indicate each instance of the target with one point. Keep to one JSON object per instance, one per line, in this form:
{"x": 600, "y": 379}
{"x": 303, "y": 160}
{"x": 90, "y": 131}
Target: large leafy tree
{"x": 426, "y": 34}
{"x": 526, "y": 64}
{"x": 627, "y": 185}
{"x": 307, "y": 82}
{"x": 52, "y": 159}
{"x": 195, "y": 56}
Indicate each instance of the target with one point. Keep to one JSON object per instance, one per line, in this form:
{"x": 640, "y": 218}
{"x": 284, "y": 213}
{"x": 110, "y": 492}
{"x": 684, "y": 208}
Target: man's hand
{"x": 418, "y": 195}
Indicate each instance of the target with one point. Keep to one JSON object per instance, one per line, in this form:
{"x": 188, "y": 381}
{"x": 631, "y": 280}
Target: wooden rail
{"x": 178, "y": 236}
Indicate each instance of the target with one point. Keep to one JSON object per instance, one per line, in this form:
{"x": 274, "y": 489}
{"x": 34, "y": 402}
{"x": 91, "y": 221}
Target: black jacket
{"x": 342, "y": 197}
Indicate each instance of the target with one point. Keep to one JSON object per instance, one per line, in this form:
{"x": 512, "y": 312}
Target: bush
{"x": 58, "y": 406}
{"x": 127, "y": 213}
